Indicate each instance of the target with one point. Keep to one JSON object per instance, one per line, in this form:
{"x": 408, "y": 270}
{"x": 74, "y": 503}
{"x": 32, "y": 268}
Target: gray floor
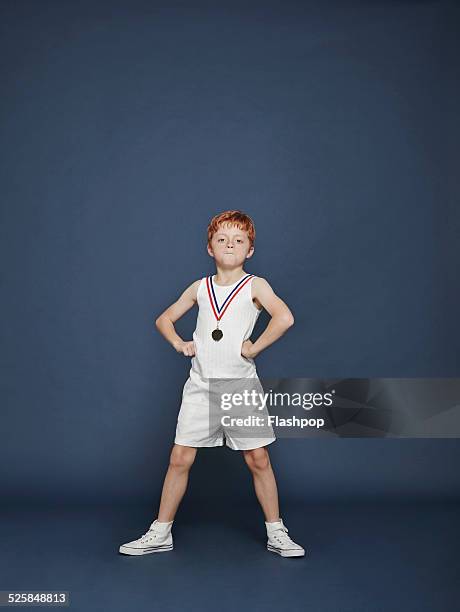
{"x": 369, "y": 557}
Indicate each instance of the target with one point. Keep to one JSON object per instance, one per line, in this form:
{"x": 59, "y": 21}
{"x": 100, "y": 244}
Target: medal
{"x": 217, "y": 334}
{"x": 219, "y": 311}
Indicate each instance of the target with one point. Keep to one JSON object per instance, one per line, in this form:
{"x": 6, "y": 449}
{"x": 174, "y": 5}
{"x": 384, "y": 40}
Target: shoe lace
{"x": 281, "y": 535}
{"x": 151, "y": 534}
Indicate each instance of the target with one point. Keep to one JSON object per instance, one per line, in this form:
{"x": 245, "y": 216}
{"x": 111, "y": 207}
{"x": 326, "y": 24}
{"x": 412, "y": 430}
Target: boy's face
{"x": 230, "y": 246}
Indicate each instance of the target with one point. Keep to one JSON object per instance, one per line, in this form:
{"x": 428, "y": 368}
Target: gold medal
{"x": 217, "y": 334}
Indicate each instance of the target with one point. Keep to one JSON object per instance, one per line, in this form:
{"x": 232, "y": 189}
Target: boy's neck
{"x": 228, "y": 277}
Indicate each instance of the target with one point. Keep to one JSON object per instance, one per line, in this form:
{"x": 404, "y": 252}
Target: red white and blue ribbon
{"x": 219, "y": 311}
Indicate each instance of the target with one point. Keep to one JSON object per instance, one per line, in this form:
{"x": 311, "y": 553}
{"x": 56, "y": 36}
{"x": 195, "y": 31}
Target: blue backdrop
{"x": 126, "y": 128}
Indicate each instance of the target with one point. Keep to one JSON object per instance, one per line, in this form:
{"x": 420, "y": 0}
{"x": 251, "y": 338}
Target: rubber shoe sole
{"x": 293, "y": 552}
{"x": 128, "y": 550}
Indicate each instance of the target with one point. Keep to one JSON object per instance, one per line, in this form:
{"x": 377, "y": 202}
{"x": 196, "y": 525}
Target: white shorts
{"x": 199, "y": 420}
{"x": 195, "y": 428}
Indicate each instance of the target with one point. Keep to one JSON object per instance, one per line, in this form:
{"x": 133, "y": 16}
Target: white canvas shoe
{"x": 157, "y": 539}
{"x": 280, "y": 543}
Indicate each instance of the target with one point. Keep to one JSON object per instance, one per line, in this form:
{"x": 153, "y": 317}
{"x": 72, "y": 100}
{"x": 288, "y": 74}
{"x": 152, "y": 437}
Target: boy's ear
{"x": 250, "y": 253}
{"x": 210, "y": 252}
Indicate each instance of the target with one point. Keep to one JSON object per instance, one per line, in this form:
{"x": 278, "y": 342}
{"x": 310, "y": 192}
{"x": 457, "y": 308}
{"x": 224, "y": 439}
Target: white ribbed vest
{"x": 223, "y": 359}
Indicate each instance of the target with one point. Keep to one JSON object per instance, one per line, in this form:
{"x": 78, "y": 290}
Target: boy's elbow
{"x": 289, "y": 320}
{"x": 161, "y": 320}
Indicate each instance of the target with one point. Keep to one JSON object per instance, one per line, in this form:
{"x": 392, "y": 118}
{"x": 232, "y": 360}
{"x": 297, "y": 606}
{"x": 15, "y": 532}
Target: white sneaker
{"x": 279, "y": 542}
{"x": 157, "y": 539}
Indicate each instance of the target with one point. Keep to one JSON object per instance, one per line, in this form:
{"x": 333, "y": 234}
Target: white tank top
{"x": 222, "y": 358}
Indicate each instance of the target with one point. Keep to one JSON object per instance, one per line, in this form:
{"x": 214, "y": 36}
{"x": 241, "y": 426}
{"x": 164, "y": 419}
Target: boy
{"x": 229, "y": 305}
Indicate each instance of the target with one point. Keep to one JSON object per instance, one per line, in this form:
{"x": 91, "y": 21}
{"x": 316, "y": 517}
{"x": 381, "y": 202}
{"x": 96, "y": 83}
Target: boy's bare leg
{"x": 258, "y": 461}
{"x": 175, "y": 483}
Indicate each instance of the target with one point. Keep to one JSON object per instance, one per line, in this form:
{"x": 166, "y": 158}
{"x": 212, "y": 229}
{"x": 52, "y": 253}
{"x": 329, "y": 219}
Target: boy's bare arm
{"x": 165, "y": 322}
{"x": 281, "y": 318}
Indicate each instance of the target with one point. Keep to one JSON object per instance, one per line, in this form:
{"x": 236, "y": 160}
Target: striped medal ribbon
{"x": 219, "y": 311}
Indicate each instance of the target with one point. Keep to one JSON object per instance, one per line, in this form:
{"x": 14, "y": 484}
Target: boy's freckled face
{"x": 230, "y": 246}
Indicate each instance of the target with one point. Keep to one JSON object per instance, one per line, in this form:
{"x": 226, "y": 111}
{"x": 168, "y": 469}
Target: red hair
{"x": 232, "y": 217}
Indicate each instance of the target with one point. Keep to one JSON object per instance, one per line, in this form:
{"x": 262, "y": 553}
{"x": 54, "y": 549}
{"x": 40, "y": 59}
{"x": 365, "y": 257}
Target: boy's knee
{"x": 257, "y": 459}
{"x": 182, "y": 457}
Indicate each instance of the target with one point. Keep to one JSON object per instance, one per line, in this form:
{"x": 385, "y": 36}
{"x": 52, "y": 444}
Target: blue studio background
{"x": 126, "y": 127}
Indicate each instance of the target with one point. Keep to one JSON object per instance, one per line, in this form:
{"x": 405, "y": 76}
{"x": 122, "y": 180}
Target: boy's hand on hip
{"x": 186, "y": 348}
{"x": 247, "y": 350}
